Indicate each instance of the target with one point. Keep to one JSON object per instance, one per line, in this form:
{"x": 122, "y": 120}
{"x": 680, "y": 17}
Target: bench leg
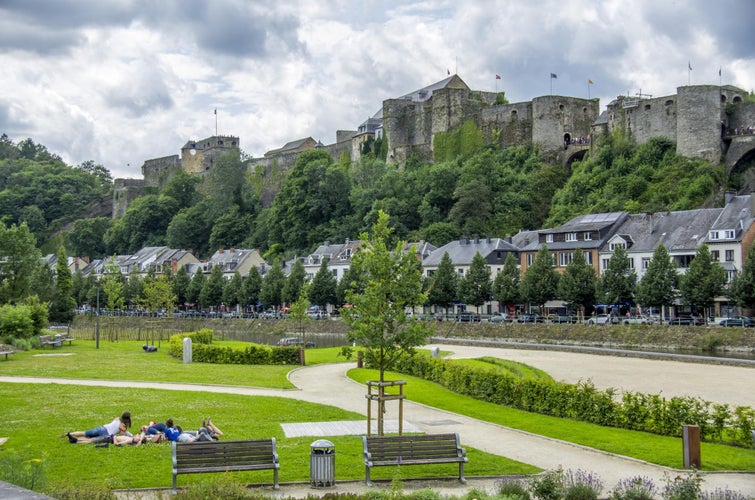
{"x": 367, "y": 479}
{"x": 174, "y": 484}
{"x": 275, "y": 479}
{"x": 462, "y": 480}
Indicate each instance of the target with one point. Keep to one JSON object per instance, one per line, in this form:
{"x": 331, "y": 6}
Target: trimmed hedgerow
{"x": 204, "y": 351}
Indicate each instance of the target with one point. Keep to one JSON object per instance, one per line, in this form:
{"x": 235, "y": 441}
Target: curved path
{"x": 328, "y": 384}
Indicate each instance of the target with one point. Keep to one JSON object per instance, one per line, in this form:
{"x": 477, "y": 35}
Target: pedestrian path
{"x": 329, "y": 385}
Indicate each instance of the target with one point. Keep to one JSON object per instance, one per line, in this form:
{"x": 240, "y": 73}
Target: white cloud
{"x": 122, "y": 82}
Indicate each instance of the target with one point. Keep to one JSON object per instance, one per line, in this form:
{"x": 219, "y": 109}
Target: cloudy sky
{"x": 122, "y": 81}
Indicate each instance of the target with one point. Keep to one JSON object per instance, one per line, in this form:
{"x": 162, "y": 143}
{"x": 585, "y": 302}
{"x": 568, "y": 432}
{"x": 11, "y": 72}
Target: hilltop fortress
{"x": 705, "y": 121}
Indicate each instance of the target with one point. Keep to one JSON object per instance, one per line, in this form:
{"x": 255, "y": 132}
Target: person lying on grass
{"x": 207, "y": 432}
{"x": 120, "y": 439}
{"x": 157, "y": 427}
{"x": 119, "y": 425}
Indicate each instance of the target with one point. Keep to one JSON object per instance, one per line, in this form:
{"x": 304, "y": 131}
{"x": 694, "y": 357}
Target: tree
{"x": 63, "y": 305}
{"x": 294, "y": 282}
{"x": 323, "y": 289}
{"x": 20, "y": 258}
{"x": 181, "y": 282}
{"x": 475, "y": 286}
{"x": 658, "y": 286}
{"x": 86, "y": 237}
{"x": 444, "y": 284}
{"x": 251, "y": 289}
{"x": 507, "y": 283}
{"x": 133, "y": 288}
{"x": 617, "y": 284}
{"x": 577, "y": 285}
{"x": 194, "y": 292}
{"x": 703, "y": 281}
{"x": 388, "y": 282}
{"x": 212, "y": 291}
{"x": 540, "y": 282}
{"x": 232, "y": 290}
{"x": 346, "y": 283}
{"x": 272, "y": 286}
{"x": 112, "y": 286}
{"x": 158, "y": 294}
{"x": 182, "y": 187}
{"x": 742, "y": 288}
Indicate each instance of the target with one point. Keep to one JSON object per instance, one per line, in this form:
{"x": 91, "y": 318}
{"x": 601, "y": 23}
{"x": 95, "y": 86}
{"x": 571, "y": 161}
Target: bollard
{"x": 691, "y": 446}
{"x": 435, "y": 352}
{"x": 360, "y": 359}
{"x": 187, "y": 350}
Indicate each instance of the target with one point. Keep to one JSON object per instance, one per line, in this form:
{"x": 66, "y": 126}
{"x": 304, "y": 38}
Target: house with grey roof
{"x": 338, "y": 256}
{"x": 462, "y": 251}
{"x": 586, "y": 232}
{"x": 234, "y": 260}
{"x": 732, "y": 233}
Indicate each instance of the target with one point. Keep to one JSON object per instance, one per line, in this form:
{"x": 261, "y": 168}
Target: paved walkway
{"x": 329, "y": 385}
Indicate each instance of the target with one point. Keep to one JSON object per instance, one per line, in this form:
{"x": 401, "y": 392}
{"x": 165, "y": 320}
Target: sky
{"x": 119, "y": 82}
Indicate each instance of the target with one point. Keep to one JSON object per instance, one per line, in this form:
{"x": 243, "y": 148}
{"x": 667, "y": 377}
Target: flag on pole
{"x": 448, "y": 71}
{"x": 719, "y": 71}
{"x": 216, "y": 111}
{"x": 589, "y": 82}
{"x": 497, "y": 77}
{"x": 554, "y": 75}
{"x": 689, "y": 65}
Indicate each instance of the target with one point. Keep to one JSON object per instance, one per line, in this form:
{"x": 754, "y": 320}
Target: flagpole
{"x": 216, "y": 122}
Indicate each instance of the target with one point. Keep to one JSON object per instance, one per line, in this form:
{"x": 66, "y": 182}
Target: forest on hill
{"x": 487, "y": 192}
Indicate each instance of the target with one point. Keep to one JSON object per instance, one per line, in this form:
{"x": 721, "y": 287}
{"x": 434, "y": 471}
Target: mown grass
{"x": 661, "y": 450}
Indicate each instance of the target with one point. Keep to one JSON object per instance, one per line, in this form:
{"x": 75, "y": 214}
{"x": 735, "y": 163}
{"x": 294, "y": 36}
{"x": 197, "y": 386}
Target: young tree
{"x": 346, "y": 283}
{"x": 658, "y": 286}
{"x": 388, "y": 282}
{"x": 444, "y": 284}
{"x": 540, "y": 282}
{"x": 112, "y": 286}
{"x": 742, "y": 288}
{"x": 507, "y": 283}
{"x": 618, "y": 281}
{"x": 133, "y": 289}
{"x": 272, "y": 286}
{"x": 323, "y": 289}
{"x": 577, "y": 285}
{"x": 212, "y": 291}
{"x": 294, "y": 282}
{"x": 63, "y": 306}
{"x": 20, "y": 258}
{"x": 194, "y": 292}
{"x": 703, "y": 281}
{"x": 157, "y": 294}
{"x": 475, "y": 286}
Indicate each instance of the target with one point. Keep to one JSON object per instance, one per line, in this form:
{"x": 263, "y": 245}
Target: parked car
{"x": 603, "y": 319}
{"x": 469, "y": 317}
{"x": 295, "y": 341}
{"x": 637, "y": 320}
{"x": 740, "y": 321}
{"x": 500, "y": 318}
{"x": 530, "y": 318}
{"x": 564, "y": 319}
{"x": 686, "y": 320}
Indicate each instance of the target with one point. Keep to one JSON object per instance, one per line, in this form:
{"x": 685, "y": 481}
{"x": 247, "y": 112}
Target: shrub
{"x": 513, "y": 488}
{"x": 22, "y": 344}
{"x": 16, "y": 322}
{"x": 16, "y": 468}
{"x": 549, "y": 485}
{"x": 581, "y": 485}
{"x": 225, "y": 488}
{"x": 682, "y": 487}
{"x": 634, "y": 488}
{"x": 725, "y": 494}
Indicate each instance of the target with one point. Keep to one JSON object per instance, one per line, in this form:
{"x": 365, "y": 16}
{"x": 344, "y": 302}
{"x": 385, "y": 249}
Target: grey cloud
{"x": 143, "y": 94}
{"x": 29, "y": 38}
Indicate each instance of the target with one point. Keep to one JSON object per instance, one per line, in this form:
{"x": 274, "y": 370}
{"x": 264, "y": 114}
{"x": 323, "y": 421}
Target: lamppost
{"x": 97, "y": 322}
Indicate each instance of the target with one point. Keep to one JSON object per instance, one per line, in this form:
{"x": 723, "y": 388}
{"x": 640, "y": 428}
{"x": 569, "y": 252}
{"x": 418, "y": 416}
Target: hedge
{"x": 583, "y": 401}
{"x": 204, "y": 351}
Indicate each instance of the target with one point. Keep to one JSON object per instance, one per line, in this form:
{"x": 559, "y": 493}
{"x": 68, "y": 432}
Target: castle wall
{"x": 156, "y": 170}
{"x": 555, "y": 116}
{"x": 408, "y": 127}
{"x": 699, "y": 122}
{"x": 512, "y": 123}
{"x": 124, "y": 192}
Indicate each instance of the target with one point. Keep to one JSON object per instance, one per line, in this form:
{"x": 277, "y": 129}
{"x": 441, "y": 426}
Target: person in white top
{"x": 119, "y": 425}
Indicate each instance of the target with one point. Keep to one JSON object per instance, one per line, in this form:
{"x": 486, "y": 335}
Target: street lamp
{"x": 97, "y": 322}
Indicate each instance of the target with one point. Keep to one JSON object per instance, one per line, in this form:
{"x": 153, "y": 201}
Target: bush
{"x": 513, "y": 488}
{"x": 581, "y": 485}
{"x": 548, "y": 485}
{"x": 203, "y": 351}
{"x": 16, "y": 322}
{"x": 634, "y": 488}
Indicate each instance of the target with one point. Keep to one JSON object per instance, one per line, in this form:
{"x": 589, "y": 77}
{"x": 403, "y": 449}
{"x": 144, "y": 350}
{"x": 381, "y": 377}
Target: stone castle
{"x": 704, "y": 121}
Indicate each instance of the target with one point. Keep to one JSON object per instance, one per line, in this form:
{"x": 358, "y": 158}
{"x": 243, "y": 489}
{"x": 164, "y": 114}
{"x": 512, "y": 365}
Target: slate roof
{"x": 426, "y": 93}
{"x": 677, "y": 231}
{"x": 463, "y": 251}
{"x": 737, "y": 215}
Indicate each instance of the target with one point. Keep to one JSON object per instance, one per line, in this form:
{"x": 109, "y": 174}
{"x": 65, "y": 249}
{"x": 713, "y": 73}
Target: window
{"x": 587, "y": 236}
{"x": 730, "y": 275}
{"x": 461, "y": 272}
{"x": 645, "y": 262}
{"x": 605, "y": 263}
{"x": 571, "y": 236}
{"x": 713, "y": 235}
{"x": 565, "y": 258}
{"x": 729, "y": 255}
{"x": 715, "y": 255}
{"x": 729, "y": 234}
{"x": 631, "y": 263}
{"x": 430, "y": 272}
{"x": 683, "y": 261}
{"x": 588, "y": 257}
{"x": 614, "y": 246}
{"x": 530, "y": 259}
{"x": 549, "y": 238}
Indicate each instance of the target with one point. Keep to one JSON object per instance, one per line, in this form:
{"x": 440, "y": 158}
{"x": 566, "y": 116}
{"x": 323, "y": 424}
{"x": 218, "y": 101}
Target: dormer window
{"x": 587, "y": 236}
{"x": 571, "y": 237}
{"x": 713, "y": 235}
{"x": 729, "y": 234}
{"x": 614, "y": 246}
{"x": 549, "y": 238}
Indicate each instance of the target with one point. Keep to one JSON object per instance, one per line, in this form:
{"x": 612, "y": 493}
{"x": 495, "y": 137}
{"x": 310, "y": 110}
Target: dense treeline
{"x": 487, "y": 192}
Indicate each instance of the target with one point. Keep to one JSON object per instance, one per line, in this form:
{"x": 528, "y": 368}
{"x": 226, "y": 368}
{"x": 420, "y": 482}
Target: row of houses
{"x": 728, "y": 231}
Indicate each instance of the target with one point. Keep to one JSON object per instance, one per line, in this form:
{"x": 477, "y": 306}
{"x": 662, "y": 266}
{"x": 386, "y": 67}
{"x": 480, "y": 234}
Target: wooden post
{"x": 381, "y": 397}
{"x": 691, "y": 446}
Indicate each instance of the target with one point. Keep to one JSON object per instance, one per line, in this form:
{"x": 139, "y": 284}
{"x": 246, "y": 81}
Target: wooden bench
{"x": 6, "y": 352}
{"x": 55, "y": 340}
{"x": 225, "y": 456}
{"x": 413, "y": 450}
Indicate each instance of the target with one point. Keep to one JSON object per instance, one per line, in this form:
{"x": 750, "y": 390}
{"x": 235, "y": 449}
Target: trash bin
{"x": 322, "y": 464}
{"x": 58, "y": 340}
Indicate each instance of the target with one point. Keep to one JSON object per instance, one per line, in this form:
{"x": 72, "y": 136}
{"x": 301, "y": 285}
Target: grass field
{"x": 33, "y": 416}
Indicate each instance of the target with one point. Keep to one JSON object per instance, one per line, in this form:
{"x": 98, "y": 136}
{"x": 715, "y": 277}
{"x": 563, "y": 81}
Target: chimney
{"x": 232, "y": 249}
{"x": 221, "y": 250}
{"x": 174, "y": 266}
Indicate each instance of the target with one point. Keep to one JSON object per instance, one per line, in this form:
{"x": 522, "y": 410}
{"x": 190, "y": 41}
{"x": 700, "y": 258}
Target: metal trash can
{"x": 58, "y": 340}
{"x": 322, "y": 464}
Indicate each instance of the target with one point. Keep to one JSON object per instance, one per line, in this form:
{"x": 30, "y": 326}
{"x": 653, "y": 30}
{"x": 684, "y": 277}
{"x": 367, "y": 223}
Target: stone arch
{"x": 741, "y": 150}
{"x": 574, "y": 153}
